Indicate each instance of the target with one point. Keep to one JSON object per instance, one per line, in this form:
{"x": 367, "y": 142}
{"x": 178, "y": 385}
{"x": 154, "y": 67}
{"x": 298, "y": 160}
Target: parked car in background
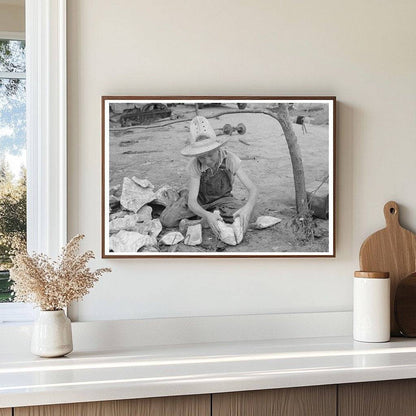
{"x": 142, "y": 115}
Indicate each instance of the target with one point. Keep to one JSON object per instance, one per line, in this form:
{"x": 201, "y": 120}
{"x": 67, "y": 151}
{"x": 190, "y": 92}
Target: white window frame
{"x": 46, "y": 128}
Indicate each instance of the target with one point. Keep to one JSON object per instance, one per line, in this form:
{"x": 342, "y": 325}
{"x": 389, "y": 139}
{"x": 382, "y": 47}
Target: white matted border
{"x": 106, "y": 101}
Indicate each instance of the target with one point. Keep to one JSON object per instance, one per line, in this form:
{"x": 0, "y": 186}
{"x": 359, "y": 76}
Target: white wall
{"x": 361, "y": 51}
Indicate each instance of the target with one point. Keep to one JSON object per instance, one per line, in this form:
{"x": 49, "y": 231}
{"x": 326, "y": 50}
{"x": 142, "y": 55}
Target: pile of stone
{"x": 135, "y": 227}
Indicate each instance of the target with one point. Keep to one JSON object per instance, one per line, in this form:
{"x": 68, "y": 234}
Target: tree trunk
{"x": 282, "y": 116}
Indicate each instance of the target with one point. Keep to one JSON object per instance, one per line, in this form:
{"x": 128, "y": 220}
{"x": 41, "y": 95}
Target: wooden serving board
{"x": 393, "y": 250}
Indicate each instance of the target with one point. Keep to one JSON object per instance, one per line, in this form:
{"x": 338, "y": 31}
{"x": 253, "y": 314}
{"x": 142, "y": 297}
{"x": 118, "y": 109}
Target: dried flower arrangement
{"x": 53, "y": 285}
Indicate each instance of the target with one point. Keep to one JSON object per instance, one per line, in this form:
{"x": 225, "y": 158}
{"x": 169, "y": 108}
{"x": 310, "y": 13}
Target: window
{"x": 12, "y": 153}
{"x": 45, "y": 90}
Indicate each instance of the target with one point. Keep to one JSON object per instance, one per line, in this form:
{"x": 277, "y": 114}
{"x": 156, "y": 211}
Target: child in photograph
{"x": 212, "y": 171}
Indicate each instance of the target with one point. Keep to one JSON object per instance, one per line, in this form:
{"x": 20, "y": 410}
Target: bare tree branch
{"x": 281, "y": 115}
{"x": 187, "y": 120}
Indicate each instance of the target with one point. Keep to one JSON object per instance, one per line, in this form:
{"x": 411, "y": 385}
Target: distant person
{"x": 302, "y": 121}
{"x": 212, "y": 171}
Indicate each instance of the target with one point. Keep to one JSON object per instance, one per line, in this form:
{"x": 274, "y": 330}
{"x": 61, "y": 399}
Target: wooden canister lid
{"x": 372, "y": 275}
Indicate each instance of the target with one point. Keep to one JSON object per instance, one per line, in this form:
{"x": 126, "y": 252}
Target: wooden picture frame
{"x": 143, "y": 136}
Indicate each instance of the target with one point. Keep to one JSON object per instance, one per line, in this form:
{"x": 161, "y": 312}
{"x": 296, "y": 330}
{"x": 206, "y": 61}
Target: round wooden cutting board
{"x": 393, "y": 250}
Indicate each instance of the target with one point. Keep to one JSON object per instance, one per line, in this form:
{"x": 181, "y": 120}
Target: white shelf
{"x": 150, "y": 371}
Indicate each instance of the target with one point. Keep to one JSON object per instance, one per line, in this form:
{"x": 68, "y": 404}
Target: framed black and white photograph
{"x": 218, "y": 176}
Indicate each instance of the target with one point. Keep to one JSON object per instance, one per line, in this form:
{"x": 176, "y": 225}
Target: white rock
{"x": 118, "y": 214}
{"x": 130, "y": 241}
{"x": 149, "y": 249}
{"x": 172, "y": 238}
{"x": 185, "y": 223}
{"x": 129, "y": 222}
{"x": 193, "y": 235}
{"x": 231, "y": 234}
{"x": 227, "y": 233}
{"x": 266, "y": 221}
{"x": 152, "y": 228}
{"x": 166, "y": 195}
{"x": 144, "y": 183}
{"x": 136, "y": 193}
{"x": 144, "y": 214}
{"x": 238, "y": 230}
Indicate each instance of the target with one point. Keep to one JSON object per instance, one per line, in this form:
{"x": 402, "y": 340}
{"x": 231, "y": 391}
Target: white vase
{"x": 52, "y": 334}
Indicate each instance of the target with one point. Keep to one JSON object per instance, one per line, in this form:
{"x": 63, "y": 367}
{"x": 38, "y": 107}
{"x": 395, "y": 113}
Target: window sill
{"x": 16, "y": 313}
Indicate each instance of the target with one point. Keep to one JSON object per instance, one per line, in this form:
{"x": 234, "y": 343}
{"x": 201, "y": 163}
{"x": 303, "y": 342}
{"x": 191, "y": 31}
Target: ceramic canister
{"x": 371, "y": 313}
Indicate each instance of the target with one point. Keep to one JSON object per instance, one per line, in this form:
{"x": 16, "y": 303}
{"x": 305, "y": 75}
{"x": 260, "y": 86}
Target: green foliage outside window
{"x": 12, "y": 223}
{"x": 12, "y": 145}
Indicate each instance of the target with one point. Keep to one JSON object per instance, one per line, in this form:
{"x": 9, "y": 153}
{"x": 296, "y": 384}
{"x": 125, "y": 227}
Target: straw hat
{"x": 203, "y": 138}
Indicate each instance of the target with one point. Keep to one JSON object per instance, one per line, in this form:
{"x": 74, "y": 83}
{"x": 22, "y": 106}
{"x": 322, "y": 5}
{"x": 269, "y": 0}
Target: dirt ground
{"x": 154, "y": 154}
